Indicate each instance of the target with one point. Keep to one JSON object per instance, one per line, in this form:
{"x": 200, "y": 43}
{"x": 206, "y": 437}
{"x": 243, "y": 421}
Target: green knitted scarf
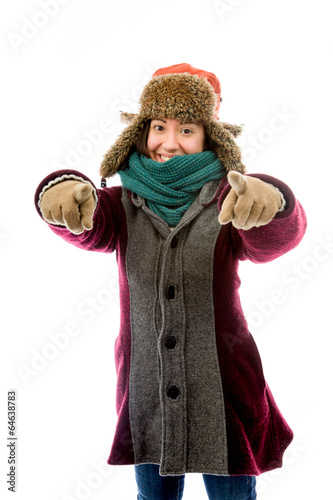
{"x": 171, "y": 187}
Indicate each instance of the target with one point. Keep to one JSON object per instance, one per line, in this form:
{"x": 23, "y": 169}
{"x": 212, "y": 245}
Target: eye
{"x": 186, "y": 131}
{"x": 159, "y": 128}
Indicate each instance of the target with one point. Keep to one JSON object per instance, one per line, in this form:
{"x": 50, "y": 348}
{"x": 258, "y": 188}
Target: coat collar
{"x": 208, "y": 195}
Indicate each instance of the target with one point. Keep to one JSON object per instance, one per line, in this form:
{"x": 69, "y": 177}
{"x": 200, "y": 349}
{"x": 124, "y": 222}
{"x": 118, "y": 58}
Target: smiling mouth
{"x": 165, "y": 158}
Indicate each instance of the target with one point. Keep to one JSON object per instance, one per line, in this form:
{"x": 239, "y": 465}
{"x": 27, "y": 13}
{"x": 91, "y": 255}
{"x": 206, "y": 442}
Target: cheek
{"x": 202, "y": 140}
{"x": 196, "y": 145}
{"x": 201, "y": 144}
{"x": 152, "y": 142}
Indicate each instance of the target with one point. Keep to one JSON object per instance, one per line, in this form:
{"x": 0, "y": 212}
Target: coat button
{"x": 174, "y": 242}
{"x": 170, "y": 292}
{"x": 170, "y": 342}
{"x": 173, "y": 391}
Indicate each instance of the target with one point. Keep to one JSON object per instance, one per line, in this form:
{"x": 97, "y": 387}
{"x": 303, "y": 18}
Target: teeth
{"x": 165, "y": 158}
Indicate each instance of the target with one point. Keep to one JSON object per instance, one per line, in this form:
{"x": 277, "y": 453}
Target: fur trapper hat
{"x": 186, "y": 97}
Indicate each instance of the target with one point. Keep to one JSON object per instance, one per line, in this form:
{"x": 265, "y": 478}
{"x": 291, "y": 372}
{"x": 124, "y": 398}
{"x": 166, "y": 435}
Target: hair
{"x": 141, "y": 142}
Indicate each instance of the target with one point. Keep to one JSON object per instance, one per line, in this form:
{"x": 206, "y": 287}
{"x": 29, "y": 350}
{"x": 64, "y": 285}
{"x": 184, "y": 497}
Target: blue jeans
{"x": 152, "y": 486}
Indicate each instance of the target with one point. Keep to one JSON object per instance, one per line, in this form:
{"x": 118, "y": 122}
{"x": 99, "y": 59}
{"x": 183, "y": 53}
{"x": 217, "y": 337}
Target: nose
{"x": 170, "y": 141}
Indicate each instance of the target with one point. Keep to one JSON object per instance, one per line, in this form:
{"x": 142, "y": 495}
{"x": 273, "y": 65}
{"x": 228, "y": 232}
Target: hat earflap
{"x": 119, "y": 151}
{"x": 126, "y": 117}
{"x": 228, "y": 152}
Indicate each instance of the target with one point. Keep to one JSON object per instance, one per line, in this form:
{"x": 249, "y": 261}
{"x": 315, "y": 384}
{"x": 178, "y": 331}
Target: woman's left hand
{"x": 250, "y": 203}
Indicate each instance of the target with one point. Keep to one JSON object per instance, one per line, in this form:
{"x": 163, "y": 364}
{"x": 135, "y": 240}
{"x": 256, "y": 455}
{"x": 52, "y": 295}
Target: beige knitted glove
{"x": 70, "y": 204}
{"x": 250, "y": 203}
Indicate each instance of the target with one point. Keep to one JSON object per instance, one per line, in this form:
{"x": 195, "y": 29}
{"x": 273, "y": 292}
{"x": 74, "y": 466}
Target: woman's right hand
{"x": 70, "y": 204}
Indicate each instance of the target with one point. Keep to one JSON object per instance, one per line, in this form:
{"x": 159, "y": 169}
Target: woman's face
{"x": 168, "y": 137}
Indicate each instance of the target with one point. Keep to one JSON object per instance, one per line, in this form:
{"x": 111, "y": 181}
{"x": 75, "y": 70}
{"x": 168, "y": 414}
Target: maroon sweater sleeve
{"x": 283, "y": 233}
{"x": 107, "y": 217}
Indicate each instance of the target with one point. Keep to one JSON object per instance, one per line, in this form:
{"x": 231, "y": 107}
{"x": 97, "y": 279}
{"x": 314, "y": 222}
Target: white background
{"x": 66, "y": 69}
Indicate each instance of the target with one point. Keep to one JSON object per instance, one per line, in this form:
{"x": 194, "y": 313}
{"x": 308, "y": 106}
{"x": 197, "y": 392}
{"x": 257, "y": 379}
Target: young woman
{"x": 191, "y": 393}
